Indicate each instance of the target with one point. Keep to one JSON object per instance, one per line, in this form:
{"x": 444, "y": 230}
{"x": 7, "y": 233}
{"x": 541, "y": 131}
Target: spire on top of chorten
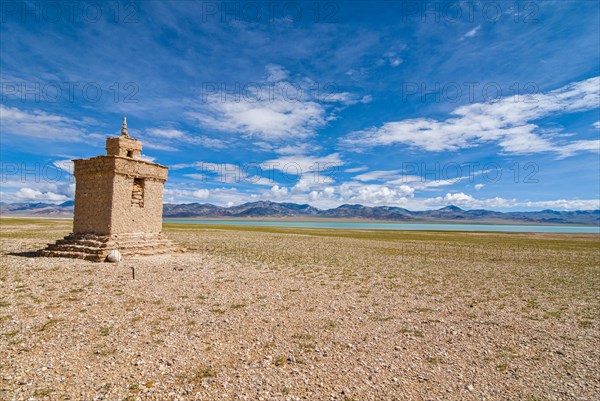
{"x": 124, "y": 127}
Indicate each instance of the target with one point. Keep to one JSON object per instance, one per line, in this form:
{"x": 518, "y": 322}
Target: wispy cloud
{"x": 39, "y": 124}
{"x": 170, "y": 139}
{"x": 507, "y": 122}
{"x": 273, "y": 109}
{"x": 472, "y": 33}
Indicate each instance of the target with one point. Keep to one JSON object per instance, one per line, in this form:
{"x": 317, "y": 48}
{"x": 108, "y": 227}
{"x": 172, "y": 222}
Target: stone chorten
{"x": 118, "y": 205}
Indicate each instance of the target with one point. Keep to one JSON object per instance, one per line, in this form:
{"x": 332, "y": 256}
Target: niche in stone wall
{"x": 137, "y": 195}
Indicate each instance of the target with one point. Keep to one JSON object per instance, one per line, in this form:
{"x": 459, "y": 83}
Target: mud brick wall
{"x": 93, "y": 197}
{"x": 105, "y": 194}
{"x": 129, "y": 218}
{"x": 124, "y": 147}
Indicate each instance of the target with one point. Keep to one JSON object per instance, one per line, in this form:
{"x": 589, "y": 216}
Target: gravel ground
{"x": 303, "y": 315}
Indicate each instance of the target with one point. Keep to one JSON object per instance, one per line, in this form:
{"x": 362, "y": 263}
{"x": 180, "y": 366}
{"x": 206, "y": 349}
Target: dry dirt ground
{"x": 292, "y": 314}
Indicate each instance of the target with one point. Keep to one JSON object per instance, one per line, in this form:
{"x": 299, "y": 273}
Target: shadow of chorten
{"x": 27, "y": 254}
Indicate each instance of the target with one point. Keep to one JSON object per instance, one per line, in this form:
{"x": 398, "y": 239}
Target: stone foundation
{"x": 96, "y": 248}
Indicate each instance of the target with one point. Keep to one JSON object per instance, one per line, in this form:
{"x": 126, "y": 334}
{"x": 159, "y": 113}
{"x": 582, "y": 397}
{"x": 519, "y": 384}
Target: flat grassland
{"x": 276, "y": 314}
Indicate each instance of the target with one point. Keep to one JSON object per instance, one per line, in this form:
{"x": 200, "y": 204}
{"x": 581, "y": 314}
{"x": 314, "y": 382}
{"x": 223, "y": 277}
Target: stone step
{"x": 112, "y": 244}
{"x": 121, "y": 247}
{"x": 97, "y": 247}
{"x": 73, "y": 255}
{"x": 76, "y": 248}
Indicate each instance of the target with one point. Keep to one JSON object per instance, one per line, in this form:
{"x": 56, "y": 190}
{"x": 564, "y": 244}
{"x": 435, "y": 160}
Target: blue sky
{"x": 489, "y": 104}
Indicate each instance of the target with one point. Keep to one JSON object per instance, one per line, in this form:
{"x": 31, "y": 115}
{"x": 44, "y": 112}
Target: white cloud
{"x": 221, "y": 172}
{"x": 273, "y": 110}
{"x": 591, "y": 204}
{"x": 206, "y": 142}
{"x": 467, "y": 201}
{"x": 327, "y": 193}
{"x": 328, "y": 196}
{"x": 39, "y": 124}
{"x": 308, "y": 172}
{"x": 261, "y": 173}
{"x": 380, "y": 175}
{"x": 399, "y": 177}
{"x": 217, "y": 196}
{"x": 392, "y": 59}
{"x": 260, "y": 180}
{"x": 506, "y": 122}
{"x": 479, "y": 186}
{"x": 278, "y": 192}
{"x": 65, "y": 165}
{"x": 597, "y": 124}
{"x": 169, "y": 136}
{"x": 157, "y": 146}
{"x": 395, "y": 62}
{"x": 166, "y": 133}
{"x": 296, "y": 149}
{"x": 300, "y": 165}
{"x": 33, "y": 195}
{"x": 147, "y": 158}
{"x": 201, "y": 194}
{"x": 309, "y": 182}
{"x": 276, "y": 73}
{"x": 471, "y": 33}
{"x": 271, "y": 120}
{"x": 354, "y": 192}
{"x": 356, "y": 169}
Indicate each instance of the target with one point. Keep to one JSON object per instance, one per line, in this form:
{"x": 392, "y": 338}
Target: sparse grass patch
{"x": 421, "y": 310}
{"x": 416, "y": 333}
{"x": 331, "y": 325}
{"x": 303, "y": 336}
{"x": 104, "y": 351}
{"x": 42, "y": 392}
{"x": 48, "y": 324}
{"x": 502, "y": 367}
{"x": 11, "y": 333}
{"x": 204, "y": 373}
{"x": 382, "y": 318}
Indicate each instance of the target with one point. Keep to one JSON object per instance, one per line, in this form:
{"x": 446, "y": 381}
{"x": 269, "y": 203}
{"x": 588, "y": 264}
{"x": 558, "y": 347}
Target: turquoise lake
{"x": 400, "y": 226}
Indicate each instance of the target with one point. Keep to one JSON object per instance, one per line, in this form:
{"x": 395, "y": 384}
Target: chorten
{"x": 118, "y": 205}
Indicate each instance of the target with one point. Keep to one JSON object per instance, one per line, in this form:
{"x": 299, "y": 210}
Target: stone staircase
{"x": 97, "y": 247}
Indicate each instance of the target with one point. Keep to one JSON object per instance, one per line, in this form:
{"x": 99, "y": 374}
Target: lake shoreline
{"x": 369, "y": 224}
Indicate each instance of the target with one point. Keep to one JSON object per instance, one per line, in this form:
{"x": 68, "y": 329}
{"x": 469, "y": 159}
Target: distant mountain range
{"x": 267, "y": 209}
